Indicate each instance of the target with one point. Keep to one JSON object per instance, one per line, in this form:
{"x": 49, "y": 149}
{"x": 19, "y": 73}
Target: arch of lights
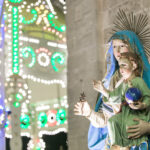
{"x": 51, "y": 118}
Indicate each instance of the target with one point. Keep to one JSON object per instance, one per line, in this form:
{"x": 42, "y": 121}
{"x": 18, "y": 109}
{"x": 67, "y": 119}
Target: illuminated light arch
{"x": 43, "y": 81}
{"x": 25, "y": 53}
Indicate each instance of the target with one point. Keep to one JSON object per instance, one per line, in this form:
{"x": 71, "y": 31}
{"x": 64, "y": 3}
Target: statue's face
{"x": 132, "y": 103}
{"x": 119, "y": 47}
{"x": 125, "y": 67}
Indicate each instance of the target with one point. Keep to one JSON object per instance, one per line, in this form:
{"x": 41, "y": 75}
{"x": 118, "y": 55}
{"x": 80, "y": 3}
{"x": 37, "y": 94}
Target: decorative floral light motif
{"x": 34, "y": 13}
{"x": 57, "y": 58}
{"x": 42, "y": 118}
{"x": 43, "y": 59}
{"x": 52, "y": 118}
{"x": 25, "y": 53}
{"x": 25, "y": 121}
{"x": 43, "y": 56}
{"x": 51, "y": 16}
{"x": 61, "y": 116}
{"x": 42, "y": 12}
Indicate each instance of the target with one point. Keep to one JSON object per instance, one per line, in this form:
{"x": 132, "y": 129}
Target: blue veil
{"x": 97, "y": 136}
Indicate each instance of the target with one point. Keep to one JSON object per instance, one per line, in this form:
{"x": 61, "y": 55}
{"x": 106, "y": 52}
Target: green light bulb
{"x": 16, "y": 104}
{"x": 19, "y": 97}
{"x": 63, "y": 28}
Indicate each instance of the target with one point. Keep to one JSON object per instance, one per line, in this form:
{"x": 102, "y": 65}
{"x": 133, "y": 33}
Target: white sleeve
{"x": 97, "y": 119}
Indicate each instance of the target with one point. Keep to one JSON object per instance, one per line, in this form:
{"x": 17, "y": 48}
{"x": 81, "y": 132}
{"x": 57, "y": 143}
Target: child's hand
{"x": 137, "y": 105}
{"x": 98, "y": 86}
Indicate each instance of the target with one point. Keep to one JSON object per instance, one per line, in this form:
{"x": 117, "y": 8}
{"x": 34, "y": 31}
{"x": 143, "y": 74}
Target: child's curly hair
{"x": 133, "y": 57}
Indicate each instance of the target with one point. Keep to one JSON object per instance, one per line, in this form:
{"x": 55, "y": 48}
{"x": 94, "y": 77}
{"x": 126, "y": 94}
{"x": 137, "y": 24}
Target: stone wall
{"x": 111, "y": 7}
{"x": 83, "y": 63}
{"x": 89, "y": 23}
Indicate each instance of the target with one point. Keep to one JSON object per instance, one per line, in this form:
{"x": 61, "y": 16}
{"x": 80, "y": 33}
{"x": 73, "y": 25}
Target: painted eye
{"x": 114, "y": 46}
{"x": 123, "y": 65}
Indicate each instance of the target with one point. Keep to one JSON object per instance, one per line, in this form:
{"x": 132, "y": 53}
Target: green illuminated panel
{"x": 15, "y": 43}
{"x": 15, "y": 1}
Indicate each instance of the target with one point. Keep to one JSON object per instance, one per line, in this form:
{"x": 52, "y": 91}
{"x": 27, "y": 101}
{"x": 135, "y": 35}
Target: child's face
{"x": 126, "y": 68}
{"x": 132, "y": 104}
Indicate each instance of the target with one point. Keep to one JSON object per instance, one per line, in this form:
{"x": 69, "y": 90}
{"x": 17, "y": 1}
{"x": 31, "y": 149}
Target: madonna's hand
{"x": 82, "y": 109}
{"x": 142, "y": 128}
